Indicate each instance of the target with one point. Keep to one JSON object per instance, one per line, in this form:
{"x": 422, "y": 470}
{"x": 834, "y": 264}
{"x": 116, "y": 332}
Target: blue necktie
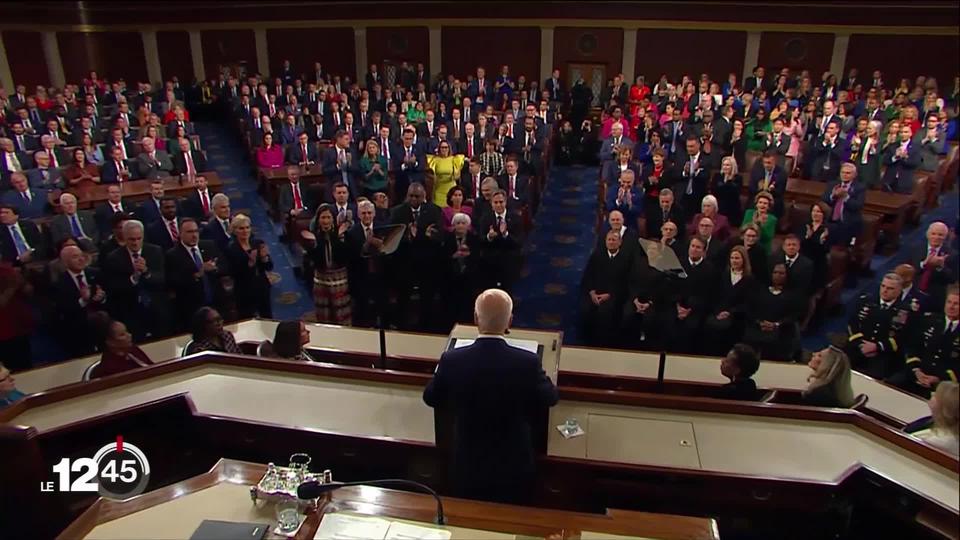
{"x": 195, "y": 254}
{"x": 75, "y": 227}
{"x": 18, "y": 241}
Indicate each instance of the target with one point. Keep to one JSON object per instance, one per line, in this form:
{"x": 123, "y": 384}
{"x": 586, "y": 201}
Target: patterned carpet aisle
{"x": 291, "y": 299}
{"x": 557, "y": 251}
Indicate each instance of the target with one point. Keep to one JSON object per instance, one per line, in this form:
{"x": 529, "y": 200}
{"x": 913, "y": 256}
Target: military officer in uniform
{"x": 936, "y": 356}
{"x": 874, "y": 330}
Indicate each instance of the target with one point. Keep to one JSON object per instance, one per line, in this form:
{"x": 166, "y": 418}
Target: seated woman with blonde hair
{"x": 944, "y": 433}
{"x": 829, "y": 384}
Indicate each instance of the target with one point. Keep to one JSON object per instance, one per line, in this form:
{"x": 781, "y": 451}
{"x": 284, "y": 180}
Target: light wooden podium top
{"x": 616, "y": 363}
{"x": 175, "y": 512}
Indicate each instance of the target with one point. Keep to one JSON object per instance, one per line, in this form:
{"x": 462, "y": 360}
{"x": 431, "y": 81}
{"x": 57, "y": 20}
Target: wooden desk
{"x": 408, "y": 350}
{"x": 378, "y": 427}
{"x": 90, "y": 195}
{"x": 222, "y": 493}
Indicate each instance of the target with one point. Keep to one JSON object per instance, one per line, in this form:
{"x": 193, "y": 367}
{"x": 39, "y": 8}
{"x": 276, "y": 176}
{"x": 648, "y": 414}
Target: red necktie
{"x": 205, "y": 201}
{"x": 53, "y": 158}
{"x": 383, "y": 148}
{"x": 297, "y": 201}
{"x": 470, "y": 148}
{"x": 303, "y": 150}
{"x": 172, "y": 227}
{"x": 513, "y": 185}
{"x": 191, "y": 171}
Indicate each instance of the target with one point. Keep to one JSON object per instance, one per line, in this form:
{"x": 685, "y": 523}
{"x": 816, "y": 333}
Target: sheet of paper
{"x": 406, "y": 531}
{"x": 347, "y": 527}
{"x": 525, "y": 344}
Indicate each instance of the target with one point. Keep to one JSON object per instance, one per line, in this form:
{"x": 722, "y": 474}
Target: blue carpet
{"x": 291, "y": 299}
{"x": 557, "y": 251}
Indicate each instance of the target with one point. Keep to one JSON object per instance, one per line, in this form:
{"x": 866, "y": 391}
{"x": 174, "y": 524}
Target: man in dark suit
{"x": 668, "y": 210}
{"x": 77, "y": 292}
{"x": 610, "y": 149}
{"x": 187, "y": 162}
{"x": 901, "y": 160}
{"x": 409, "y": 162}
{"x": 692, "y": 167}
{"x": 515, "y": 185}
{"x": 528, "y": 145}
{"x": 165, "y": 232}
{"x": 758, "y": 81}
{"x": 494, "y": 393}
{"x": 471, "y": 177}
{"x": 73, "y": 224}
{"x": 193, "y": 268}
{"x": 30, "y": 203}
{"x": 198, "y": 204}
{"x": 416, "y": 261}
{"x": 555, "y": 86}
{"x": 103, "y": 213}
{"x": 302, "y": 153}
{"x": 117, "y": 139}
{"x": 134, "y": 278}
{"x": 217, "y": 229}
{"x": 714, "y": 250}
{"x": 936, "y": 264}
{"x": 799, "y": 267}
{"x": 845, "y": 198}
{"x": 691, "y": 297}
{"x": 11, "y": 161}
{"x": 21, "y": 141}
{"x": 340, "y": 163}
{"x": 829, "y": 152}
{"x": 115, "y": 169}
{"x": 20, "y": 241}
{"x": 674, "y": 133}
{"x": 766, "y": 175}
{"x": 933, "y": 357}
{"x": 603, "y": 291}
{"x": 501, "y": 231}
{"x": 481, "y": 89}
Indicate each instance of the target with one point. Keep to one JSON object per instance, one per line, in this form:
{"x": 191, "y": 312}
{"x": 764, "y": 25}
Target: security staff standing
{"x": 936, "y": 355}
{"x": 874, "y": 330}
{"x": 492, "y": 391}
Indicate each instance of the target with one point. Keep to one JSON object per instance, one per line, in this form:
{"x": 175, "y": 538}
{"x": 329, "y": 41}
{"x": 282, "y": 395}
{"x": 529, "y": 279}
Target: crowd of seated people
{"x": 701, "y": 168}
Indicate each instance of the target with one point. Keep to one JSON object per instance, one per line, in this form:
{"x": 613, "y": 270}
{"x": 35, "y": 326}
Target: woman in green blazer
{"x": 760, "y": 216}
{"x": 373, "y": 167}
{"x": 757, "y": 130}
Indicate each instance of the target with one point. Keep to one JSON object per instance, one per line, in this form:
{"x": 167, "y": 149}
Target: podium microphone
{"x": 314, "y": 489}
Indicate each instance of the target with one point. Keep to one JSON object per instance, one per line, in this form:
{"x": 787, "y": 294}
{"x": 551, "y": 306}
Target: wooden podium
{"x": 223, "y": 494}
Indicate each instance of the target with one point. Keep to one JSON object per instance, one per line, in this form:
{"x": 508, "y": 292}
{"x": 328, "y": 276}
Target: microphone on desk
{"x": 314, "y": 489}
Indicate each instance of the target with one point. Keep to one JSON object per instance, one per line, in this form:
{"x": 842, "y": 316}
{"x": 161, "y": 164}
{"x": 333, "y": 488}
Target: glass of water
{"x": 570, "y": 426}
{"x": 288, "y": 516}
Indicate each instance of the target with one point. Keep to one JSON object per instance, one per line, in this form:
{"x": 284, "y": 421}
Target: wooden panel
{"x": 175, "y": 56}
{"x": 410, "y": 43}
{"x": 905, "y": 56}
{"x": 692, "y": 52}
{"x": 113, "y": 55}
{"x": 334, "y": 49}
{"x": 228, "y": 47}
{"x": 28, "y": 65}
{"x": 588, "y": 46}
{"x": 796, "y": 51}
{"x": 467, "y": 47}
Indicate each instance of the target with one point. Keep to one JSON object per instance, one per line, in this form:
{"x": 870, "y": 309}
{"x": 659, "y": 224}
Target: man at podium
{"x": 492, "y": 391}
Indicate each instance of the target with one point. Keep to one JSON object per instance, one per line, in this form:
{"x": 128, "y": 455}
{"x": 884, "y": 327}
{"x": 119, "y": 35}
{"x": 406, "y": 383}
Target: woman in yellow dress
{"x": 446, "y": 172}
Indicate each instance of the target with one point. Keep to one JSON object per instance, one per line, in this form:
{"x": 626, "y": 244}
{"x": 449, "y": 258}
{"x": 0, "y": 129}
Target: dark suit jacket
{"x": 655, "y": 220}
{"x": 32, "y": 235}
{"x": 180, "y": 269}
{"x": 522, "y": 187}
{"x": 158, "y": 234}
{"x": 333, "y": 174}
{"x": 799, "y": 276}
{"x": 493, "y": 392}
{"x": 5, "y": 172}
{"x": 294, "y": 154}
{"x": 413, "y": 173}
{"x": 123, "y": 297}
{"x": 109, "y": 174}
{"x": 852, "y": 207}
{"x": 180, "y": 162}
{"x": 192, "y": 206}
{"x": 60, "y": 227}
{"x": 899, "y": 173}
{"x": 214, "y": 232}
{"x": 66, "y": 296}
{"x": 420, "y": 251}
{"x": 38, "y": 206}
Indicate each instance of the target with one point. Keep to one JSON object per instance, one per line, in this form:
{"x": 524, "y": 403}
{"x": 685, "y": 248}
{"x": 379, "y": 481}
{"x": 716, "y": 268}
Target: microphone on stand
{"x": 314, "y": 489}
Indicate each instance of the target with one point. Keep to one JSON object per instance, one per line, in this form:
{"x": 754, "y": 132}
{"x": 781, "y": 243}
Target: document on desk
{"x": 348, "y": 527}
{"x": 525, "y": 344}
{"x": 352, "y": 527}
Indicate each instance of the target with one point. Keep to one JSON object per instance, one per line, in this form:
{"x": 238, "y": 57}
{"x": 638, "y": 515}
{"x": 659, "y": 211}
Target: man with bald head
{"x": 77, "y": 292}
{"x": 493, "y": 392}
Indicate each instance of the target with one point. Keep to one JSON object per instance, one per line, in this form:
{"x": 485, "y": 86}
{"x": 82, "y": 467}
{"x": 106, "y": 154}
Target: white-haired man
{"x": 493, "y": 391}
{"x": 71, "y": 223}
